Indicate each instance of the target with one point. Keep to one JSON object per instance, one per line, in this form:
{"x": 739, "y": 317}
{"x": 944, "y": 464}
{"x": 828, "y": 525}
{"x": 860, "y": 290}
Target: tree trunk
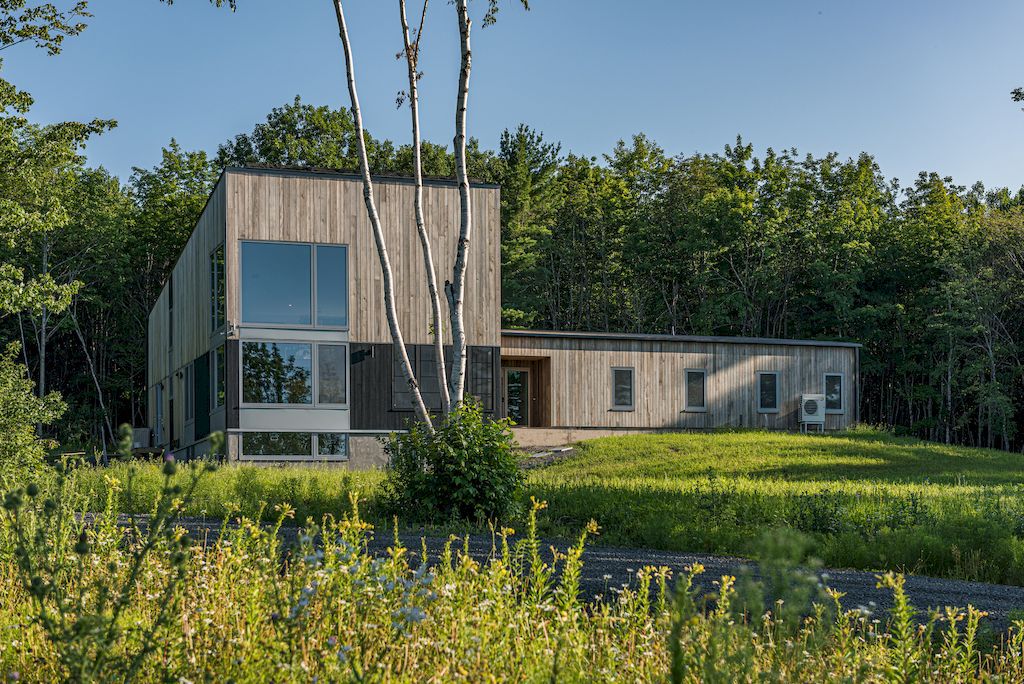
{"x": 456, "y": 288}
{"x": 95, "y": 379}
{"x": 378, "y": 231}
{"x": 412, "y": 53}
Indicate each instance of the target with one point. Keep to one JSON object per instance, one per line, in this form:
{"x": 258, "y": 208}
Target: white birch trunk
{"x": 378, "y": 232}
{"x": 456, "y": 288}
{"x": 412, "y": 52}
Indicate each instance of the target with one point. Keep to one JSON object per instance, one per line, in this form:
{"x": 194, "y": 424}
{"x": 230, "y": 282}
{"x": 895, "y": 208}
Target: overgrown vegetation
{"x": 246, "y": 609}
{"x": 466, "y": 469}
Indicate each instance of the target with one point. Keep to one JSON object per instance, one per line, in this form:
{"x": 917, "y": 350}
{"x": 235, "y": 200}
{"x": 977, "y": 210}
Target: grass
{"x": 868, "y": 500}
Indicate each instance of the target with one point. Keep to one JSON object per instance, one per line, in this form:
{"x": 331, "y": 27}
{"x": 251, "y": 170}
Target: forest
{"x": 928, "y": 277}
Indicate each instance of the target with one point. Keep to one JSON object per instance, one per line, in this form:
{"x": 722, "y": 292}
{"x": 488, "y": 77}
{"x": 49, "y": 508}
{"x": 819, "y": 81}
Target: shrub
{"x": 466, "y": 468}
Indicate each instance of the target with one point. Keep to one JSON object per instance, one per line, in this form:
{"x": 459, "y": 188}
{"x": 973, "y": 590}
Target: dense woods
{"x": 928, "y": 277}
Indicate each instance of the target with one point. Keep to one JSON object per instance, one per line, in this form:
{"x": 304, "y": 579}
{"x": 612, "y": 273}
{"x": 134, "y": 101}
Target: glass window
{"x": 332, "y": 286}
{"x": 768, "y": 392}
{"x": 332, "y": 444}
{"x": 696, "y": 399}
{"x": 277, "y": 373}
{"x": 276, "y": 283}
{"x": 481, "y": 376}
{"x": 217, "y": 289}
{"x": 219, "y": 376}
{"x": 189, "y": 392}
{"x": 277, "y": 444}
{"x": 834, "y": 392}
{"x": 332, "y": 367}
{"x": 622, "y": 388}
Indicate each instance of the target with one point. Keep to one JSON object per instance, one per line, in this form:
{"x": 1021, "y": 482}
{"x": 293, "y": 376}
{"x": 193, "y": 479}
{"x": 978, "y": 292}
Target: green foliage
{"x": 22, "y": 451}
{"x": 466, "y": 468}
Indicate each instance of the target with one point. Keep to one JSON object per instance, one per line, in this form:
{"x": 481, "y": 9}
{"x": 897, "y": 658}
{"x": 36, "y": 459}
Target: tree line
{"x": 927, "y": 277}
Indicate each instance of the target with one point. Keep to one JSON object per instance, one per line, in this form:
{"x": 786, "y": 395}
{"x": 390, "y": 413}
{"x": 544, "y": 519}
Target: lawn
{"x": 868, "y": 500}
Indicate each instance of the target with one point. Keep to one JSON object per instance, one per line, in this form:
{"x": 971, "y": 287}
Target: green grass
{"x": 867, "y": 499}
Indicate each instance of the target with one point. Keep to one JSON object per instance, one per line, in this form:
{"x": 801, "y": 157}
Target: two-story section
{"x": 272, "y": 326}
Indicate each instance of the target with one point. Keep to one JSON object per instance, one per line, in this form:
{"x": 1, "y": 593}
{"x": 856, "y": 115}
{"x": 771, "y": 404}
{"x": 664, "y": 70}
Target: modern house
{"x": 272, "y": 329}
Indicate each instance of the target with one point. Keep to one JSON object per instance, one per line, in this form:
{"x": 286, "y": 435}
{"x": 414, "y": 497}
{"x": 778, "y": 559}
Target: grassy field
{"x": 868, "y": 500}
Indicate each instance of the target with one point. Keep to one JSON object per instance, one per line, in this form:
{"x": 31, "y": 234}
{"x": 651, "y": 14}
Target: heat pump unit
{"x": 812, "y": 409}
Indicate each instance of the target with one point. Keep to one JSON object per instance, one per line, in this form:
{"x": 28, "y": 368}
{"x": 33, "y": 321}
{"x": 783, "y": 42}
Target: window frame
{"x": 687, "y": 408}
{"x": 842, "y": 392}
{"x": 189, "y": 393}
{"x": 632, "y": 389}
{"x": 218, "y": 289}
{"x": 216, "y": 381}
{"x": 778, "y": 392}
{"x": 315, "y": 375}
{"x": 312, "y": 325}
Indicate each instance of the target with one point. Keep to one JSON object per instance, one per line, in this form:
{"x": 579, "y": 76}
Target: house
{"x": 271, "y": 328}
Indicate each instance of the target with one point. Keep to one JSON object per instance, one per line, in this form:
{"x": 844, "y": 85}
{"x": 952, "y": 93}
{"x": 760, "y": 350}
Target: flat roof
{"x": 350, "y": 175}
{"x": 573, "y": 335}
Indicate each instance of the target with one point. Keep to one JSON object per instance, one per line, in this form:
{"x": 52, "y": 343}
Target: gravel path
{"x": 608, "y": 567}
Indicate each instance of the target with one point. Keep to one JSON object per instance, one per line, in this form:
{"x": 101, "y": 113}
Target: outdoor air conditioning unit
{"x": 812, "y": 409}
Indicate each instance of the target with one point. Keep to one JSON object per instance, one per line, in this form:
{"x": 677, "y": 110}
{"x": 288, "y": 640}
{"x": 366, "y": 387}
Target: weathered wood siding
{"x": 578, "y": 391}
{"x": 325, "y": 208}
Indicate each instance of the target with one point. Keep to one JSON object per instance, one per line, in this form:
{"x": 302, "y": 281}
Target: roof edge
{"x": 576, "y": 335}
{"x": 349, "y": 175}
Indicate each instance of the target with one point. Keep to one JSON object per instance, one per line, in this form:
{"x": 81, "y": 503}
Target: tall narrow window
{"x": 332, "y": 371}
{"x": 189, "y": 393}
{"x": 833, "y": 392}
{"x": 696, "y": 390}
{"x": 276, "y": 283}
{"x": 480, "y": 380}
{"x": 217, "y": 289}
{"x": 219, "y": 377}
{"x": 622, "y": 389}
{"x": 277, "y": 373}
{"x": 768, "y": 392}
{"x": 332, "y": 286}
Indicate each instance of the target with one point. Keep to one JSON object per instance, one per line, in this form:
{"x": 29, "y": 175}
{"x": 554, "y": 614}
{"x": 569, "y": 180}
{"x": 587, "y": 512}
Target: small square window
{"x": 622, "y": 389}
{"x": 696, "y": 390}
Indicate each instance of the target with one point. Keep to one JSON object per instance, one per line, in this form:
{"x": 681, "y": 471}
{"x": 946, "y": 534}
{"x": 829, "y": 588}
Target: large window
{"x": 295, "y": 445}
{"x": 217, "y": 289}
{"x": 290, "y": 284}
{"x": 696, "y": 394}
{"x": 277, "y": 373}
{"x": 768, "y": 392}
{"x": 281, "y": 373}
{"x": 834, "y": 393}
{"x": 622, "y": 389}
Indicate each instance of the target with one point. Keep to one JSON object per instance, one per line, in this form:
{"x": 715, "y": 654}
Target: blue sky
{"x": 921, "y": 84}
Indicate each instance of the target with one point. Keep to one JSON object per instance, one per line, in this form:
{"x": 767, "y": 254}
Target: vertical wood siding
{"x": 578, "y": 391}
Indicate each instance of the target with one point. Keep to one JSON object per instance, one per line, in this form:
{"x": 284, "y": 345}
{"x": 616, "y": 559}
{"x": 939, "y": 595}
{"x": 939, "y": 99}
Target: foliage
{"x": 328, "y": 610}
{"x": 22, "y": 451}
{"x": 466, "y": 468}
{"x": 87, "y": 616}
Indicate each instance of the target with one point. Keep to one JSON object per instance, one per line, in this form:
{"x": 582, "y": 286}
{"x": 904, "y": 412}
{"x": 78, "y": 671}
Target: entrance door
{"x": 517, "y": 395}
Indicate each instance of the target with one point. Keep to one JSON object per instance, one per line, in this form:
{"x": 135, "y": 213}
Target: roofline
{"x": 574, "y": 335}
{"x": 347, "y": 175}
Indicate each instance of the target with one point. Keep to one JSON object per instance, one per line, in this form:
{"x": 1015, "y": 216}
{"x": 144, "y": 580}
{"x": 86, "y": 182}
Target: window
{"x": 480, "y": 380}
{"x": 834, "y": 393}
{"x": 332, "y": 367}
{"x": 768, "y": 392}
{"x": 295, "y": 445}
{"x": 219, "y": 376}
{"x": 294, "y": 284}
{"x": 217, "y": 289}
{"x": 622, "y": 389}
{"x": 276, "y": 283}
{"x": 332, "y": 286}
{"x": 696, "y": 394}
{"x": 189, "y": 392}
{"x": 277, "y": 373}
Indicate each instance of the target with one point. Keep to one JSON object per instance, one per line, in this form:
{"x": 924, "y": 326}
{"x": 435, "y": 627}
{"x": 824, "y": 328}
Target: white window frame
{"x": 842, "y": 393}
{"x": 778, "y": 392}
{"x": 686, "y": 390}
{"x": 315, "y": 385}
{"x": 632, "y": 388}
{"x": 312, "y": 325}
{"x": 313, "y": 456}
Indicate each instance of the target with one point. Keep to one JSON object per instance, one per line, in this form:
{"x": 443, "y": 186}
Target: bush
{"x": 466, "y": 469}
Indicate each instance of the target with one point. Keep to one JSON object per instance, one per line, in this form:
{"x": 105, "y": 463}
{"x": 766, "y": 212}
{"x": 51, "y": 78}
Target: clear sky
{"x": 920, "y": 84}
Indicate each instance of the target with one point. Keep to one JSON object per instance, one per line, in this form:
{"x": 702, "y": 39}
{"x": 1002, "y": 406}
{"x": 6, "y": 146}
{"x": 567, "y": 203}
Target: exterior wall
{"x": 577, "y": 392}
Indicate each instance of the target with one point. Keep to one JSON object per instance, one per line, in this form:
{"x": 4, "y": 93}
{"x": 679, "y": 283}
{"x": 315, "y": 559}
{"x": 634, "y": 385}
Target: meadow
{"x": 868, "y": 500}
